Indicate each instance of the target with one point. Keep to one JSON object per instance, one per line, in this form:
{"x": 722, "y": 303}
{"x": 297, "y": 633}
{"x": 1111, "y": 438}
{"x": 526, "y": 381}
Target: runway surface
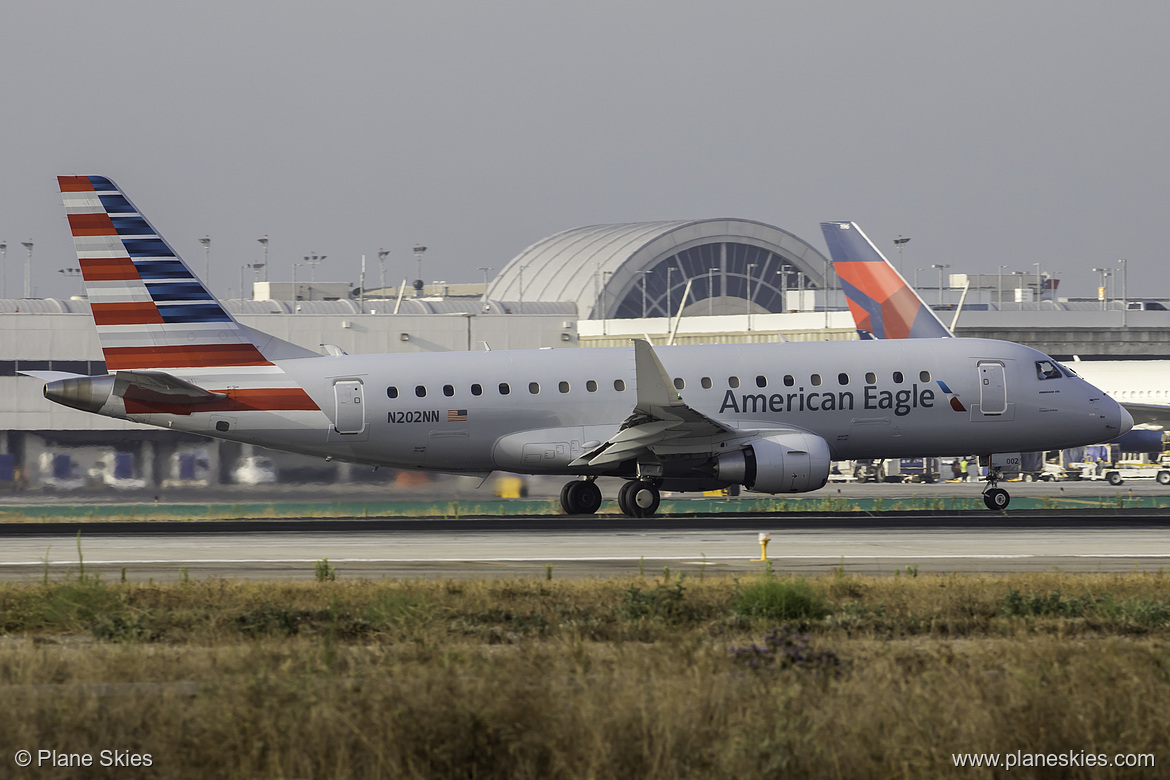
{"x": 599, "y": 546}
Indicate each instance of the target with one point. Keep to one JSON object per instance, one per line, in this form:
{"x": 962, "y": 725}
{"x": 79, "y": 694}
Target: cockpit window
{"x": 1047, "y": 369}
{"x": 1066, "y": 370}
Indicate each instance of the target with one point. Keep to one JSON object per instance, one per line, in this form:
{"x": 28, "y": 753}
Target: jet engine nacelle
{"x": 786, "y": 463}
{"x": 87, "y": 393}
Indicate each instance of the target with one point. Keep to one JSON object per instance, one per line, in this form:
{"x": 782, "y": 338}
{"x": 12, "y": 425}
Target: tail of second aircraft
{"x": 884, "y": 306}
{"x": 150, "y": 310}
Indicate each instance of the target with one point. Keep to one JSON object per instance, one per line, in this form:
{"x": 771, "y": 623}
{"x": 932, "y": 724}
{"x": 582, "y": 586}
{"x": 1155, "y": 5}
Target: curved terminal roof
{"x": 604, "y": 268}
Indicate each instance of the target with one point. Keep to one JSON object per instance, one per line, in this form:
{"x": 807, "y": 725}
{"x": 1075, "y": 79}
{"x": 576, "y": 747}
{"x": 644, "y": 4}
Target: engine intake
{"x": 787, "y": 463}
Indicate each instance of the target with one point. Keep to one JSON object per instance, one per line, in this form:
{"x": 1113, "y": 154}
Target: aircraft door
{"x": 351, "y": 413}
{"x": 992, "y": 387}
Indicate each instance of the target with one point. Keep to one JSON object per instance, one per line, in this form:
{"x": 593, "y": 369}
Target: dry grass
{"x": 595, "y": 679}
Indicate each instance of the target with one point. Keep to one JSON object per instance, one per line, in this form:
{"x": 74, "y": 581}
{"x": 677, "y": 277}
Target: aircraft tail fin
{"x": 151, "y": 311}
{"x": 884, "y": 306}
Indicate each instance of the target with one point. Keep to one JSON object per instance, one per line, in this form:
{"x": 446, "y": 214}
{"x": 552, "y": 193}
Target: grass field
{"x": 648, "y": 677}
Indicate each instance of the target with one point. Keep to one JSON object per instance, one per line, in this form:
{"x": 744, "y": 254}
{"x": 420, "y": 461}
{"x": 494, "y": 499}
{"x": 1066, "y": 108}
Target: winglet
{"x": 883, "y": 304}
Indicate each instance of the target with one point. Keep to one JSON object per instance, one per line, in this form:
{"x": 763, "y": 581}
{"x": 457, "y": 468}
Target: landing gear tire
{"x": 996, "y": 498}
{"x": 639, "y": 498}
{"x": 580, "y": 497}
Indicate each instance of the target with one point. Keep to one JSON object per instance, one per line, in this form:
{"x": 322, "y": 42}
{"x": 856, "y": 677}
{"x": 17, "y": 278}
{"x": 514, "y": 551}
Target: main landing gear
{"x": 639, "y": 498}
{"x": 636, "y": 498}
{"x": 580, "y": 497}
{"x": 995, "y": 497}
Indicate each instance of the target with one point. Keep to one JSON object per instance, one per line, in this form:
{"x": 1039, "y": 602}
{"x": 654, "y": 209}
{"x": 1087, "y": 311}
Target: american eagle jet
{"x": 769, "y": 417}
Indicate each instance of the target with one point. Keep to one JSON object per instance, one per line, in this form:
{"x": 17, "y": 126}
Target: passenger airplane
{"x": 770, "y": 417}
{"x": 885, "y": 306}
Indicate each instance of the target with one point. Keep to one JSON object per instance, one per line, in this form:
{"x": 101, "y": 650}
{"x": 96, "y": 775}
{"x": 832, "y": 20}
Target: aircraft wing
{"x": 659, "y": 416}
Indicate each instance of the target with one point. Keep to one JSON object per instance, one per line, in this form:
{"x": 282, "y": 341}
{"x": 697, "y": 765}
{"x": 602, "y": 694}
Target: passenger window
{"x": 733, "y": 381}
{"x": 477, "y": 389}
{"x": 679, "y": 384}
{"x": 761, "y": 381}
{"x": 563, "y": 387}
{"x": 534, "y": 387}
{"x": 898, "y": 377}
{"x": 816, "y": 380}
{"x": 705, "y": 382}
{"x": 842, "y": 379}
{"x": 923, "y": 376}
{"x": 504, "y": 389}
{"x": 789, "y": 380}
{"x": 391, "y": 392}
{"x": 420, "y": 391}
{"x": 448, "y": 390}
{"x": 591, "y": 386}
{"x": 870, "y": 378}
{"x": 619, "y": 385}
{"x": 1046, "y": 369}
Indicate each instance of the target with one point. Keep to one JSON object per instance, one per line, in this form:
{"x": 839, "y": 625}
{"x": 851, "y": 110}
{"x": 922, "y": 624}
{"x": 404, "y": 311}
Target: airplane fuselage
{"x": 537, "y": 411}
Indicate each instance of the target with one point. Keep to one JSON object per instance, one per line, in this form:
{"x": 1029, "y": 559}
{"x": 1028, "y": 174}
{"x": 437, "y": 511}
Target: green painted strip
{"x": 450, "y": 509}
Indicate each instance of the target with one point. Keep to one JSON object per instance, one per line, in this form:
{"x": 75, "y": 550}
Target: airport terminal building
{"x": 695, "y": 281}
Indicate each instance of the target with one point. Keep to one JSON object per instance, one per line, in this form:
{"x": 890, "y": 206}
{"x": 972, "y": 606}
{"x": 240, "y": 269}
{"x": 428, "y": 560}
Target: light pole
{"x": 1102, "y": 291}
{"x": 749, "y": 295}
{"x": 711, "y": 291}
{"x": 295, "y": 295}
{"x": 382, "y": 253}
{"x": 206, "y": 241}
{"x": 520, "y": 304}
{"x": 4, "y": 266}
{"x": 669, "y": 273}
{"x": 999, "y": 293}
{"x": 485, "y": 269}
{"x": 28, "y": 268}
{"x": 940, "y": 267}
{"x": 419, "y": 249}
{"x": 916, "y": 270}
{"x": 1039, "y": 287}
{"x": 72, "y": 273}
{"x": 313, "y": 261}
{"x": 264, "y": 265}
{"x": 900, "y": 242}
{"x": 1124, "y": 291}
{"x": 644, "y": 294}
{"x": 255, "y": 276}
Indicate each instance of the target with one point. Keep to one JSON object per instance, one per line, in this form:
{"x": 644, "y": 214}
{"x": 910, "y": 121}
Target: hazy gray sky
{"x": 992, "y": 132}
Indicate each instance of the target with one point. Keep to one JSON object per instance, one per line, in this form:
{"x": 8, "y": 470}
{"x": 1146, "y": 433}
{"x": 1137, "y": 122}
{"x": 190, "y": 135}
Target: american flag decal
{"x": 456, "y": 415}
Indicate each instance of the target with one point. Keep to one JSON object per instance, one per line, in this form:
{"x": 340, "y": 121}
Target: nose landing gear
{"x": 995, "y": 497}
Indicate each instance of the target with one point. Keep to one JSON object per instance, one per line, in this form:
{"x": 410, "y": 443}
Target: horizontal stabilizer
{"x": 50, "y": 376}
{"x": 159, "y": 387}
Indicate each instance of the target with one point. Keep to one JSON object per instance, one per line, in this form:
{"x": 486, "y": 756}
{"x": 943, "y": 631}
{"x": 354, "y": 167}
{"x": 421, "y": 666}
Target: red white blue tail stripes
{"x": 150, "y": 310}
